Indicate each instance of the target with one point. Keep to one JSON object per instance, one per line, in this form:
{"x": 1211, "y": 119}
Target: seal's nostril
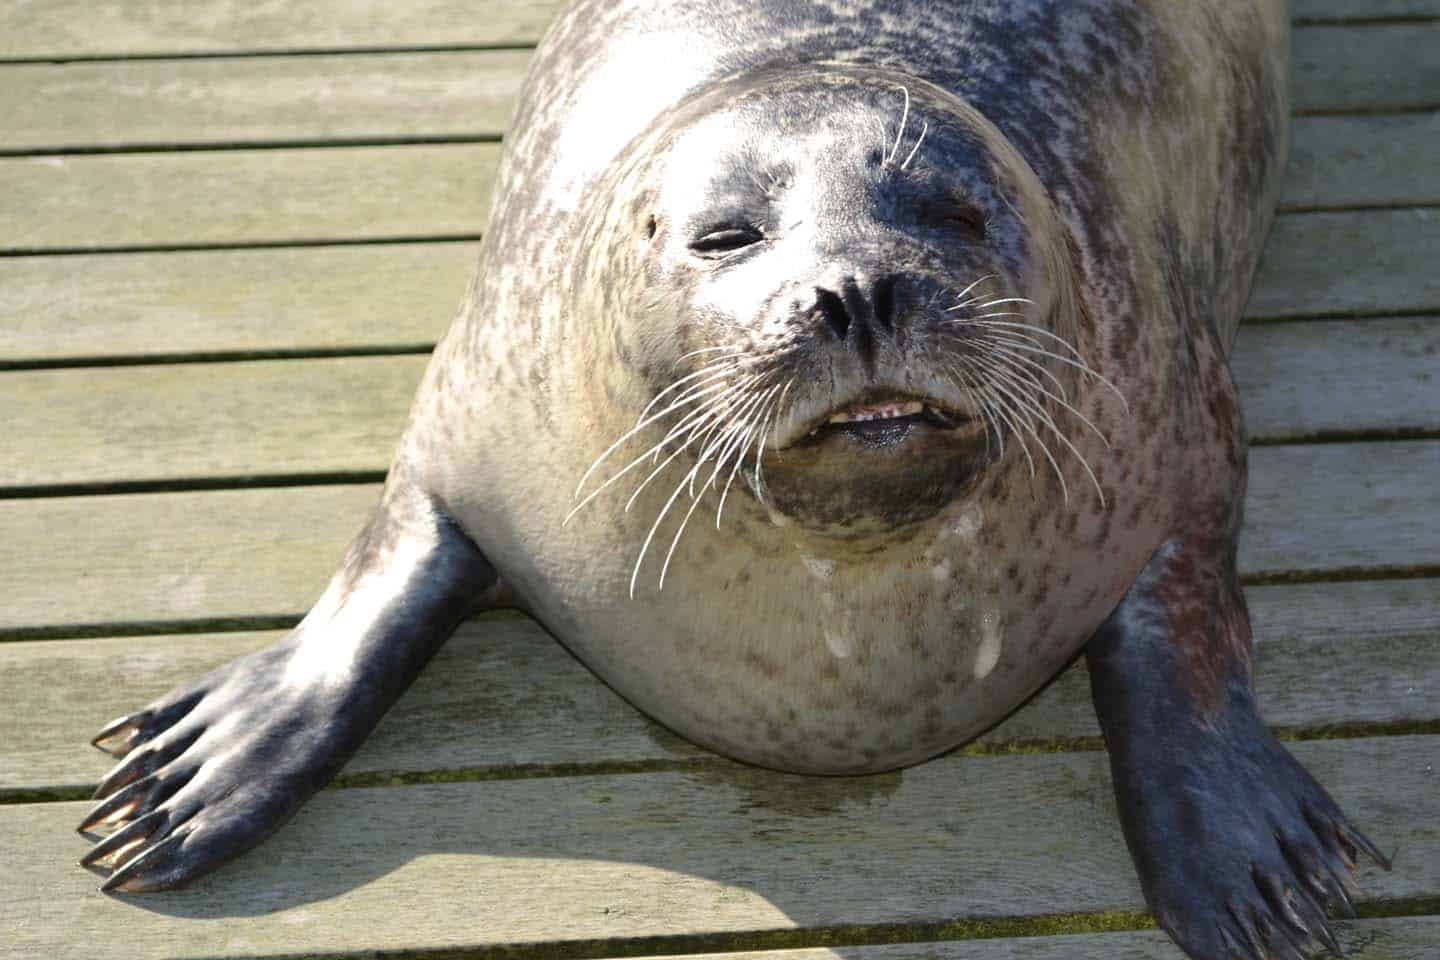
{"x": 832, "y": 308}
{"x": 883, "y": 298}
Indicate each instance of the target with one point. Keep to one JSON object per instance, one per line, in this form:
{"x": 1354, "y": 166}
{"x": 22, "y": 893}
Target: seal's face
{"x": 852, "y": 288}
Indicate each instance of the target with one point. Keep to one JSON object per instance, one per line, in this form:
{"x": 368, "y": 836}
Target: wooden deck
{"x": 231, "y": 231}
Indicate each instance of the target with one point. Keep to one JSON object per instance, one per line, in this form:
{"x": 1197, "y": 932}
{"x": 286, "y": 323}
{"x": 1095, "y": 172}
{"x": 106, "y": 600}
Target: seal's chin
{"x": 877, "y": 464}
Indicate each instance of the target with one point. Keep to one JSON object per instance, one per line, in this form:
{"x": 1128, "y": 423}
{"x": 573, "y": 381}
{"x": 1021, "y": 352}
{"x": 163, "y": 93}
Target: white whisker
{"x": 916, "y": 149}
{"x": 899, "y": 134}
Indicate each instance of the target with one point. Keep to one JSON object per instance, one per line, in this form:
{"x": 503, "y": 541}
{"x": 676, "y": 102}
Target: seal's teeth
{"x": 880, "y": 411}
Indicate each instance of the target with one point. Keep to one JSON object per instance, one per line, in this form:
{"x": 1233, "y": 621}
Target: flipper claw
{"x": 115, "y": 735}
{"x": 136, "y": 832}
{"x": 143, "y": 872}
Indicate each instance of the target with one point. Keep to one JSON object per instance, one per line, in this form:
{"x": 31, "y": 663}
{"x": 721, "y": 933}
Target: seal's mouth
{"x": 878, "y": 421}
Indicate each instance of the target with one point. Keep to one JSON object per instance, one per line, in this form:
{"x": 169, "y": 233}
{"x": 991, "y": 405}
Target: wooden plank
{"x": 399, "y": 296}
{"x": 61, "y": 29}
{"x": 344, "y": 415}
{"x": 1360, "y": 939}
{"x": 1330, "y": 656}
{"x": 1366, "y": 262}
{"x": 1384, "y": 67}
{"x": 1307, "y": 10}
{"x": 159, "y": 305}
{"x": 258, "y": 100}
{"x": 245, "y": 196}
{"x": 376, "y": 193}
{"x": 276, "y": 417}
{"x": 1305, "y": 380}
{"x": 723, "y": 851}
{"x": 1342, "y": 506}
{"x": 239, "y": 554}
{"x": 1362, "y": 161}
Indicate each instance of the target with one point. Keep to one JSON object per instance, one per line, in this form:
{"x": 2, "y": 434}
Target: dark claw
{"x": 139, "y": 873}
{"x": 138, "y": 830}
{"x": 1241, "y": 916}
{"x": 1354, "y": 838}
{"x": 143, "y": 763}
{"x": 121, "y": 798}
{"x": 1341, "y": 899}
{"x": 129, "y": 725}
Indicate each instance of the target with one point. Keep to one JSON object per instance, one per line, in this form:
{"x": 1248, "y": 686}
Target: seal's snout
{"x": 857, "y": 312}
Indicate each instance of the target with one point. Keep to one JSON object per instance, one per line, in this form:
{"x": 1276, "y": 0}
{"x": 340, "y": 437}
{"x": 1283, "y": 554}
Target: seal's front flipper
{"x": 214, "y": 767}
{"x": 1239, "y": 850}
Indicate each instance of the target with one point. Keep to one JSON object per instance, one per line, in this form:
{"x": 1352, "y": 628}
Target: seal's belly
{"x": 820, "y": 669}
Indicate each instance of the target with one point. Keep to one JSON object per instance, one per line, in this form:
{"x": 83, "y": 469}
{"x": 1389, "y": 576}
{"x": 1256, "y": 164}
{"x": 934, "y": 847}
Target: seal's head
{"x": 849, "y": 274}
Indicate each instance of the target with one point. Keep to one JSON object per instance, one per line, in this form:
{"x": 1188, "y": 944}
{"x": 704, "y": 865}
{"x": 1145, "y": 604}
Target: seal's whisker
{"x": 970, "y": 389}
{"x": 924, "y": 129}
{"x": 714, "y": 370}
{"x": 975, "y": 388}
{"x": 732, "y": 348}
{"x": 740, "y": 412}
{"x": 998, "y": 345}
{"x": 1077, "y": 364}
{"x": 704, "y": 420}
{"x": 1046, "y": 420}
{"x": 1004, "y": 300}
{"x": 645, "y": 420}
{"x": 684, "y": 401}
{"x": 991, "y": 322}
{"x": 1061, "y": 399}
{"x": 721, "y": 402}
{"x": 758, "y": 434}
{"x": 725, "y": 443}
{"x": 1025, "y": 411}
{"x": 732, "y": 437}
{"x": 959, "y": 297}
{"x": 764, "y": 442}
{"x": 899, "y": 134}
{"x": 1008, "y": 413}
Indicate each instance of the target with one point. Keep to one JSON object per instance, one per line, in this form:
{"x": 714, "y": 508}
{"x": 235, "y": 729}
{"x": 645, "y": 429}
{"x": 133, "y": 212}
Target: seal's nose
{"x": 854, "y": 315}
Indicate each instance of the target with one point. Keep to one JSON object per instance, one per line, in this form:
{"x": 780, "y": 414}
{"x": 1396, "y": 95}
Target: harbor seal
{"x": 833, "y": 374}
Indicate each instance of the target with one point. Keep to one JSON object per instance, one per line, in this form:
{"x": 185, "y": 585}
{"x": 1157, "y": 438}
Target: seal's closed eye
{"x": 718, "y": 241}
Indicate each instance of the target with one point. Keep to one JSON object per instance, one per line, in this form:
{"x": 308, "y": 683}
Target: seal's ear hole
{"x": 650, "y": 227}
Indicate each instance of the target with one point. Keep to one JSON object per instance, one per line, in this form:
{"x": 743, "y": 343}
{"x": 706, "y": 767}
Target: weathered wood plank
{"x": 157, "y": 103}
{"x": 392, "y": 296}
{"x": 1364, "y": 262}
{"x": 1361, "y": 940}
{"x": 1410, "y": 938}
{"x": 402, "y": 295}
{"x": 707, "y": 853}
{"x": 1342, "y": 507}
{"x": 1362, "y": 161}
{"x": 60, "y": 29}
{"x": 245, "y": 196}
{"x": 343, "y": 415}
{"x": 1389, "y": 67}
{"x": 375, "y": 193}
{"x": 1330, "y": 656}
{"x": 1341, "y": 10}
{"x": 256, "y": 100}
{"x": 1302, "y": 380}
{"x": 235, "y": 554}
{"x": 150, "y": 423}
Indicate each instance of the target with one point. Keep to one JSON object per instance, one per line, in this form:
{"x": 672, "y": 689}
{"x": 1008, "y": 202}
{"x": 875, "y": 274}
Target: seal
{"x": 833, "y": 374}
